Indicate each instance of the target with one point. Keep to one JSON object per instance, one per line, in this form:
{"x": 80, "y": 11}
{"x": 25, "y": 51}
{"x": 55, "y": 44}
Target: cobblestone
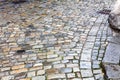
{"x": 53, "y": 40}
{"x": 86, "y": 73}
{"x": 56, "y": 76}
{"x": 40, "y": 72}
{"x": 71, "y": 75}
{"x": 86, "y": 65}
{"x": 66, "y": 70}
{"x": 39, "y": 78}
{"x": 7, "y": 77}
{"x": 31, "y": 74}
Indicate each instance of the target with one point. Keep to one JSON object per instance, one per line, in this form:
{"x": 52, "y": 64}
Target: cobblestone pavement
{"x": 53, "y": 40}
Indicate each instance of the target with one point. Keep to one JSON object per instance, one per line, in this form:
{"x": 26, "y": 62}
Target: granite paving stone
{"x": 38, "y": 78}
{"x": 86, "y": 73}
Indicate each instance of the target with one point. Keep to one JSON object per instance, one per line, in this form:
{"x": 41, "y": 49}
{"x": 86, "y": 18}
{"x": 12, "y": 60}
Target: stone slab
{"x": 112, "y": 71}
{"x": 115, "y": 39}
{"x": 112, "y": 55}
{"x": 111, "y": 60}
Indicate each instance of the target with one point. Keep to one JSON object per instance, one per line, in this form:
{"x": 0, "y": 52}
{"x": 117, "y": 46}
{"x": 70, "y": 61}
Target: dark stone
{"x": 31, "y": 26}
{"x": 20, "y": 51}
{"x": 113, "y": 21}
{"x": 42, "y": 37}
{"x": 104, "y": 11}
{"x": 27, "y": 33}
{"x": 20, "y": 75}
{"x": 18, "y": 1}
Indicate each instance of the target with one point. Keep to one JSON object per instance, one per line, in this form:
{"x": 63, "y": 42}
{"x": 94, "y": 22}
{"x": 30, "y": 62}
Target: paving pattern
{"x": 53, "y": 40}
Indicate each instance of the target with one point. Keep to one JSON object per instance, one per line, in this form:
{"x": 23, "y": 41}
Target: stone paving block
{"x": 69, "y": 57}
{"x": 96, "y": 64}
{"x": 76, "y": 69}
{"x": 99, "y": 76}
{"x": 54, "y": 59}
{"x": 52, "y": 71}
{"x": 66, "y": 70}
{"x": 38, "y": 46}
{"x": 86, "y": 57}
{"x": 89, "y": 78}
{"x": 86, "y": 73}
{"x": 39, "y": 78}
{"x": 35, "y": 68}
{"x": 32, "y": 58}
{"x": 37, "y": 64}
{"x": 97, "y": 71}
{"x": 75, "y": 61}
{"x": 18, "y": 66}
{"x": 19, "y": 71}
{"x": 20, "y": 75}
{"x": 25, "y": 79}
{"x": 52, "y": 56}
{"x": 59, "y": 65}
{"x": 91, "y": 38}
{"x": 72, "y": 65}
{"x": 56, "y": 76}
{"x": 40, "y": 72}
{"x": 47, "y": 67}
{"x": 76, "y": 79}
{"x": 86, "y": 65}
{"x": 28, "y": 65}
{"x": 7, "y": 77}
{"x": 5, "y": 69}
{"x": 31, "y": 74}
{"x": 4, "y": 74}
{"x": 56, "y": 62}
{"x": 70, "y": 75}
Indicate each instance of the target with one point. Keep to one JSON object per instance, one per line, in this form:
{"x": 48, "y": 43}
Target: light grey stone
{"x": 31, "y": 74}
{"x": 56, "y": 76}
{"x": 86, "y": 65}
{"x": 86, "y": 73}
{"x": 112, "y": 54}
{"x": 7, "y": 77}
{"x": 112, "y": 71}
{"x": 38, "y": 78}
{"x": 66, "y": 70}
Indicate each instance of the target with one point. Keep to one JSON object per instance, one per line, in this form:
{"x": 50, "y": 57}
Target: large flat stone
{"x": 112, "y": 71}
{"x": 111, "y": 60}
{"x": 115, "y": 39}
{"x": 112, "y": 55}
